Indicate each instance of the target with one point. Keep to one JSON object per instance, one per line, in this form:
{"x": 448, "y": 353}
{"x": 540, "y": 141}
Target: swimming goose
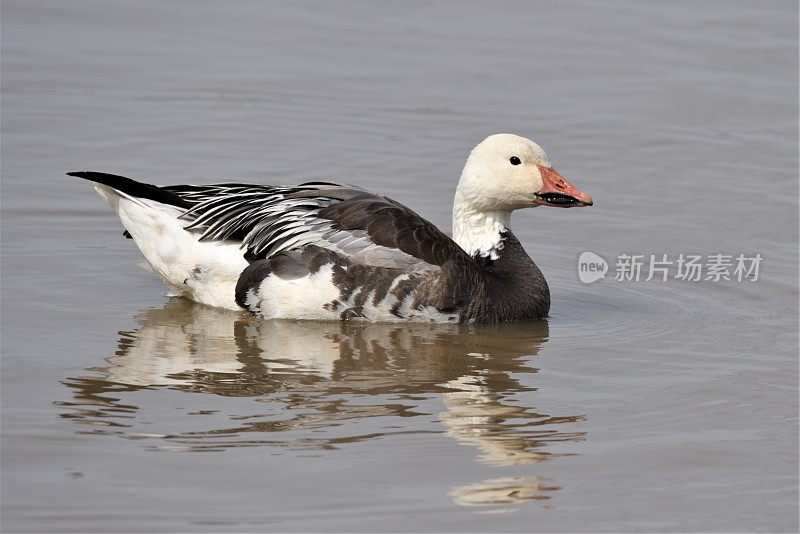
{"x": 328, "y": 251}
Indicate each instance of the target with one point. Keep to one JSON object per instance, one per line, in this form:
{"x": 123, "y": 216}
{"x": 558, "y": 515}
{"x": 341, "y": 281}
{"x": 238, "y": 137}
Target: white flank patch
{"x": 301, "y": 298}
{"x": 204, "y": 272}
{"x": 307, "y": 298}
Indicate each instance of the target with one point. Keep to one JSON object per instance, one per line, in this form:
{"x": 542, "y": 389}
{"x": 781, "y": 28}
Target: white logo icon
{"x": 591, "y": 267}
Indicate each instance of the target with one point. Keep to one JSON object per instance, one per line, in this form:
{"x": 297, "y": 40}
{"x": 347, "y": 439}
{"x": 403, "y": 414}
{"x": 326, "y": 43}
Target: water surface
{"x": 637, "y": 406}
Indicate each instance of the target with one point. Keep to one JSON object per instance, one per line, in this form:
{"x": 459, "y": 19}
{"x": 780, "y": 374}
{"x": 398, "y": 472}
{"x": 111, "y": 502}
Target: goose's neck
{"x": 480, "y": 233}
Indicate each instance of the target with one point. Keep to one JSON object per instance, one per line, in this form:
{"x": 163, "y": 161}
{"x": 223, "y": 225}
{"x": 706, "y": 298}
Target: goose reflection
{"x": 321, "y": 385}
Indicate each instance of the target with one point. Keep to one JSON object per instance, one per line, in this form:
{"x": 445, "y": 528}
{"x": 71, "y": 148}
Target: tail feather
{"x": 133, "y": 188}
{"x": 203, "y": 271}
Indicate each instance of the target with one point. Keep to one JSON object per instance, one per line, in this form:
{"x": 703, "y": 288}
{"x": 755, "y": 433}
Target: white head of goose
{"x": 328, "y": 251}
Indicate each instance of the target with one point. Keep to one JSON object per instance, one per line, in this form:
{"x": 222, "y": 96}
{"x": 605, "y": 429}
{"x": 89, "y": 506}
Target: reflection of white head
{"x": 506, "y": 490}
{"x": 471, "y": 416}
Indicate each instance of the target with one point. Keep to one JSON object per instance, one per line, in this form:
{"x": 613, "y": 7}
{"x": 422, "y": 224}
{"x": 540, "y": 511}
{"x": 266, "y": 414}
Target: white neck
{"x": 478, "y": 232}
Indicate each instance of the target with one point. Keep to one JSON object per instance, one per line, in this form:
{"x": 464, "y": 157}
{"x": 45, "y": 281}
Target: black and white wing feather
{"x": 367, "y": 228}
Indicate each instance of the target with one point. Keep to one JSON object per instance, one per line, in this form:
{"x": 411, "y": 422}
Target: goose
{"x": 329, "y": 251}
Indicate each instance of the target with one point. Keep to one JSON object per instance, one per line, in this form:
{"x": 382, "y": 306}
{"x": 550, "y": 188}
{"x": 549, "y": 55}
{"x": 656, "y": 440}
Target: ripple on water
{"x": 610, "y": 313}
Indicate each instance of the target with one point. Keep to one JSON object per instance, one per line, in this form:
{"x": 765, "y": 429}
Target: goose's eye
{"x": 514, "y": 160}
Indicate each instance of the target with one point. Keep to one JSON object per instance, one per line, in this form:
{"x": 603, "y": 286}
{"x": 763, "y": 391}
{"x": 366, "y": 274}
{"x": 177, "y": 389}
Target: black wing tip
{"x": 93, "y": 175}
{"x": 133, "y": 188}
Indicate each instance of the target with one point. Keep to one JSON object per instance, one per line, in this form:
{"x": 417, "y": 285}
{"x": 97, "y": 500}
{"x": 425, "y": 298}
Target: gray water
{"x": 637, "y": 406}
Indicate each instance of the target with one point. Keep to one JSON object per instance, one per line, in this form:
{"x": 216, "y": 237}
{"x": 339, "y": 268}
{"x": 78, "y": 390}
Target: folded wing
{"x": 367, "y": 228}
